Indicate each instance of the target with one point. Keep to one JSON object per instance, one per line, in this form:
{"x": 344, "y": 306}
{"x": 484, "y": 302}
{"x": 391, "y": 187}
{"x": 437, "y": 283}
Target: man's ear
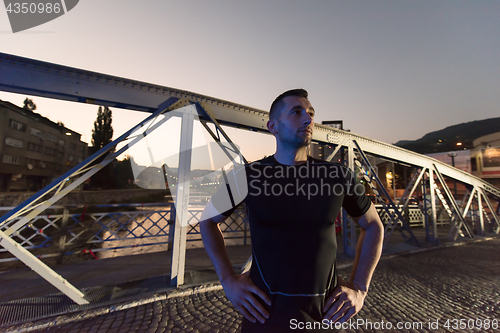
{"x": 272, "y": 126}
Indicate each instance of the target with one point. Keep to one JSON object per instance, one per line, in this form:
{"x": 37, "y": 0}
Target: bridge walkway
{"x": 27, "y": 300}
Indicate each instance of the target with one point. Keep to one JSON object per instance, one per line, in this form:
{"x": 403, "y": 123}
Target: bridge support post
{"x": 480, "y": 224}
{"x": 495, "y": 229}
{"x": 182, "y": 199}
{"x": 429, "y": 222}
{"x": 431, "y": 228}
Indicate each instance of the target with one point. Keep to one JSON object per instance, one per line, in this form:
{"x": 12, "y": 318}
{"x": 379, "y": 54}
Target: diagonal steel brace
{"x": 410, "y": 238}
{"x": 34, "y": 207}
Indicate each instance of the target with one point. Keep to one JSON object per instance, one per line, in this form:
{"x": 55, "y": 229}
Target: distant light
{"x": 459, "y": 143}
{"x": 68, "y": 133}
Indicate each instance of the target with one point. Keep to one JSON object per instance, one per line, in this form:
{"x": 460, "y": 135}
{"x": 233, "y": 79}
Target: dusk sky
{"x": 391, "y": 70}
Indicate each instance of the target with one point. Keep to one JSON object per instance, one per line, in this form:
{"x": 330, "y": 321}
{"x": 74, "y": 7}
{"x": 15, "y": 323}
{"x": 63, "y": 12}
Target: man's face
{"x": 295, "y": 122}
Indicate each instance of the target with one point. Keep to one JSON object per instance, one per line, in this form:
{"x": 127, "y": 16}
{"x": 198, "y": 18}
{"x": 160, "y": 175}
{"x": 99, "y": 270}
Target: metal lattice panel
{"x": 115, "y": 228}
{"x": 130, "y": 225}
{"x": 36, "y": 233}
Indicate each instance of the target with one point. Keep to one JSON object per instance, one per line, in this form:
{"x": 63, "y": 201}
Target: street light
{"x": 452, "y": 154}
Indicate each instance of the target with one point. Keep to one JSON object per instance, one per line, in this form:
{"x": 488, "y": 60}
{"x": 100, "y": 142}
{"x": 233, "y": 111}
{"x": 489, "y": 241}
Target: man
{"x": 293, "y": 201}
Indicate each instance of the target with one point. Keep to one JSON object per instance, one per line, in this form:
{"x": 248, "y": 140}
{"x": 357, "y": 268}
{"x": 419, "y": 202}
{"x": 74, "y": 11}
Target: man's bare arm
{"x": 357, "y": 254}
{"x": 239, "y": 288}
{"x": 214, "y": 244}
{"x": 369, "y": 247}
{"x": 348, "y": 298}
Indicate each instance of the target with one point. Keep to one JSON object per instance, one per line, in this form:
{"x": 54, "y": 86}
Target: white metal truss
{"x": 27, "y": 76}
{"x": 43, "y": 270}
{"x": 391, "y": 209}
{"x": 494, "y": 227}
{"x": 80, "y": 173}
{"x": 456, "y": 213}
{"x": 45, "y": 198}
{"x": 14, "y": 220}
{"x": 429, "y": 205}
{"x": 182, "y": 200}
{"x": 33, "y": 77}
{"x": 481, "y": 217}
{"x": 37, "y": 78}
{"x": 410, "y": 188}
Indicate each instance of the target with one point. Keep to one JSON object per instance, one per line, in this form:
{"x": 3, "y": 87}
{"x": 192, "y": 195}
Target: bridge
{"x": 475, "y": 213}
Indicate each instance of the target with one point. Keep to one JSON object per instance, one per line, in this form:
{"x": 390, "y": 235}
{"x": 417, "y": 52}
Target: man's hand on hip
{"x": 344, "y": 302}
{"x": 240, "y": 291}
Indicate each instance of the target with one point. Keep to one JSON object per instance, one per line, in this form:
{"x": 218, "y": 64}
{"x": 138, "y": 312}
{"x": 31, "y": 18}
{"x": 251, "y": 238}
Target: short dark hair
{"x": 278, "y": 102}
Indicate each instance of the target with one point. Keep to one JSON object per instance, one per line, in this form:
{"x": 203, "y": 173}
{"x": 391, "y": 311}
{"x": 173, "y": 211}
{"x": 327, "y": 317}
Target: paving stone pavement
{"x": 448, "y": 284}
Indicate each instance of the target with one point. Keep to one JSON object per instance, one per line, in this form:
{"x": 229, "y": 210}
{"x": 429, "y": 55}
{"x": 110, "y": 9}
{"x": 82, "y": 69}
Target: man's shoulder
{"x": 265, "y": 160}
{"x": 268, "y": 160}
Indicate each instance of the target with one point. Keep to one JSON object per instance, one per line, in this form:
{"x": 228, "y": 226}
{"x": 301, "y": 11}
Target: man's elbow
{"x": 370, "y": 220}
{"x": 210, "y": 222}
{"x": 375, "y": 230}
{"x": 210, "y": 215}
{"x": 204, "y": 223}
{"x": 207, "y": 223}
{"x": 373, "y": 225}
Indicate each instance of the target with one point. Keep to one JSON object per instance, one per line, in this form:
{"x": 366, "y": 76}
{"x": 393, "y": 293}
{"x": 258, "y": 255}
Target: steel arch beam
{"x": 38, "y": 78}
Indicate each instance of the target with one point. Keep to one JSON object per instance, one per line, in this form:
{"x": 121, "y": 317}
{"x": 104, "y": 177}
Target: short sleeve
{"x": 232, "y": 190}
{"x": 356, "y": 203}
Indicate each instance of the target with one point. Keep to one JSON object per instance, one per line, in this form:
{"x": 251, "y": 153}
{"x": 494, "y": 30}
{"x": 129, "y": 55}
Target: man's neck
{"x": 291, "y": 157}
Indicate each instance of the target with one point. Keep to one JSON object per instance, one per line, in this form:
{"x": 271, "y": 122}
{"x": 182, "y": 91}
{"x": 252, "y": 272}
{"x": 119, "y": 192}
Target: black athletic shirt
{"x": 292, "y": 212}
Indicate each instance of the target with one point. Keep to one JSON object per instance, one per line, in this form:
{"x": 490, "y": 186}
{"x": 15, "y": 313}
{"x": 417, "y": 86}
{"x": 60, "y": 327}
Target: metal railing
{"x": 66, "y": 232}
{"x": 413, "y": 214}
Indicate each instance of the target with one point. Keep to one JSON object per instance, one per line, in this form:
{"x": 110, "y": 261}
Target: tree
{"x": 29, "y": 105}
{"x": 123, "y": 175}
{"x": 103, "y": 131}
{"x": 101, "y": 136}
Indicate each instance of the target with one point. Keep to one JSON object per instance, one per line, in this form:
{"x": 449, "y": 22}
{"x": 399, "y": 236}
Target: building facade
{"x": 482, "y": 161}
{"x": 34, "y": 150}
{"x": 485, "y": 158}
